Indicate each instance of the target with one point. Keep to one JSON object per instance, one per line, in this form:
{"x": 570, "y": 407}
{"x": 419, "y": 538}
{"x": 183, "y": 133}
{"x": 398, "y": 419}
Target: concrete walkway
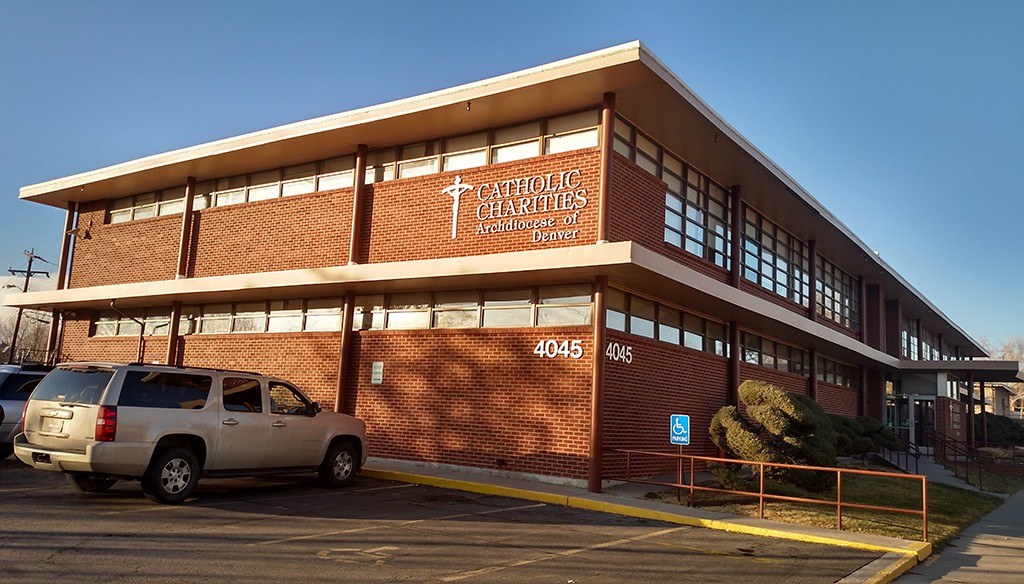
{"x": 991, "y": 551}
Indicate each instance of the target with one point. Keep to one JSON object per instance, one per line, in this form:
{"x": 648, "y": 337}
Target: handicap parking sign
{"x": 679, "y": 429}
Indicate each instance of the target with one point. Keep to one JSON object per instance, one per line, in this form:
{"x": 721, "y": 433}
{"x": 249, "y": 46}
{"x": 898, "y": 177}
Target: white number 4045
{"x": 552, "y": 348}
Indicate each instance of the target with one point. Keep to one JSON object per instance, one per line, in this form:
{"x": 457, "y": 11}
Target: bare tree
{"x": 1010, "y": 350}
{"x": 33, "y": 335}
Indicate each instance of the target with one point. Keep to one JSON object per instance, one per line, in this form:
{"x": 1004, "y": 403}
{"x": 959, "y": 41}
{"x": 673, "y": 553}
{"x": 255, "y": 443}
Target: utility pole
{"x": 28, "y": 273}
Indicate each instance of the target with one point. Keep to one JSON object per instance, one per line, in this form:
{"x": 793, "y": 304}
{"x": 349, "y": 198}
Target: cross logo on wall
{"x": 456, "y": 190}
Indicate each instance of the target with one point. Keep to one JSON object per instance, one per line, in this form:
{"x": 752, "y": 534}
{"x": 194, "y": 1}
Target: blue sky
{"x": 905, "y": 118}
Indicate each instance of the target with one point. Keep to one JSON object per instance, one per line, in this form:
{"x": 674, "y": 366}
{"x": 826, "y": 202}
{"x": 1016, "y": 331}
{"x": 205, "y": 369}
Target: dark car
{"x": 16, "y": 384}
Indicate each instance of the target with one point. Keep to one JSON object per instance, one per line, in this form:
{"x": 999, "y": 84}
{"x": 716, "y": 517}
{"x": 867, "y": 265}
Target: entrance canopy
{"x": 1005, "y": 371}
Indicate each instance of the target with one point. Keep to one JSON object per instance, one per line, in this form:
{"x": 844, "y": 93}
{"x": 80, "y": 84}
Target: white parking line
{"x": 400, "y": 524}
{"x": 556, "y": 555}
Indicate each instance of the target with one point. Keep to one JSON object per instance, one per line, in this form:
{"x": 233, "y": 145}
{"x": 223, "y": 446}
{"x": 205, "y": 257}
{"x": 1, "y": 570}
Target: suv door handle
{"x": 279, "y": 424}
{"x": 230, "y": 422}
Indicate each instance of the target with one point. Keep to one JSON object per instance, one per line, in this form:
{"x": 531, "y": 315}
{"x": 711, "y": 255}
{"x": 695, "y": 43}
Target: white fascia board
{"x": 589, "y": 256}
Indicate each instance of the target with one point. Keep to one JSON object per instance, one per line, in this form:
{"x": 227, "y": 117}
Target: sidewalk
{"x": 897, "y": 555}
{"x": 991, "y": 551}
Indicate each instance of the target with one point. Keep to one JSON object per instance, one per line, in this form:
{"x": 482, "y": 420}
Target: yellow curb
{"x": 912, "y": 553}
{"x": 893, "y": 571}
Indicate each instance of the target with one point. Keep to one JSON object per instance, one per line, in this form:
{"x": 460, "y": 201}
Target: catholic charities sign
{"x": 545, "y": 205}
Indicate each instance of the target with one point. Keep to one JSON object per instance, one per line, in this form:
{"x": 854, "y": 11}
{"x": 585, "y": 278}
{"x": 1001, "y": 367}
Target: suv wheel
{"x": 88, "y": 483}
{"x": 339, "y": 466}
{"x": 172, "y": 476}
{"x": 6, "y": 450}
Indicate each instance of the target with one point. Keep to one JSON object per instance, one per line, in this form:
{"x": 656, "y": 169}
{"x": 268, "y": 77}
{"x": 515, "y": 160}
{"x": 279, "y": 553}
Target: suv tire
{"x": 340, "y": 466}
{"x": 88, "y": 483}
{"x": 171, "y": 476}
{"x": 6, "y": 450}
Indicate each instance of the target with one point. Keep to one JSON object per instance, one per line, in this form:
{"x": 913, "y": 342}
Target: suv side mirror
{"x": 314, "y": 409}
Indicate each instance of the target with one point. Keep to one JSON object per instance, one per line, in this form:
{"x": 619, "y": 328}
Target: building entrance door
{"x": 911, "y": 417}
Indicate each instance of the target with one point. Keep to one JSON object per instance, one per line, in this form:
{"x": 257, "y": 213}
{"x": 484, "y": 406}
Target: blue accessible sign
{"x": 679, "y": 429}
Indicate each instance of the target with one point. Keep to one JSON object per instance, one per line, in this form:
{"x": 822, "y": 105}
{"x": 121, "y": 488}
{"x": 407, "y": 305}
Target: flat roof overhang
{"x": 979, "y": 369}
{"x": 647, "y": 93}
{"x": 626, "y": 264}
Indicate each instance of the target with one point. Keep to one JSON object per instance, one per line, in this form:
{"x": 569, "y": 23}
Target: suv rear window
{"x": 79, "y": 385}
{"x": 161, "y": 389}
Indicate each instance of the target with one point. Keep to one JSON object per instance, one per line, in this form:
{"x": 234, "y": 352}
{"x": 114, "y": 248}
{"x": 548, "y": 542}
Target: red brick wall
{"x": 136, "y": 251}
{"x": 636, "y": 212}
{"x": 951, "y": 418}
{"x": 411, "y": 219}
{"x": 786, "y": 381}
{"x": 303, "y": 231}
{"x": 837, "y": 399}
{"x": 641, "y": 396}
{"x": 475, "y": 396}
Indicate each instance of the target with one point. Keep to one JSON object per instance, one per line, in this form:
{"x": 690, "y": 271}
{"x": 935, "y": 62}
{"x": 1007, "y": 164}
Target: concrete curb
{"x": 897, "y": 559}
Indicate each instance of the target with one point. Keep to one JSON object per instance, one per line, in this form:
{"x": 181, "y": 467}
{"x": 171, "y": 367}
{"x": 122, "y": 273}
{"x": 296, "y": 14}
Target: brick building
{"x": 513, "y": 275}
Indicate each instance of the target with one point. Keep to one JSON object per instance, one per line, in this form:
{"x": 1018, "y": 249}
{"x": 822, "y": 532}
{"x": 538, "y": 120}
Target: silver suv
{"x": 16, "y": 383}
{"x": 165, "y": 426}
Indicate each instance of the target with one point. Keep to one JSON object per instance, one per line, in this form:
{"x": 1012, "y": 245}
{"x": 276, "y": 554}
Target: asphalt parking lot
{"x": 293, "y": 530}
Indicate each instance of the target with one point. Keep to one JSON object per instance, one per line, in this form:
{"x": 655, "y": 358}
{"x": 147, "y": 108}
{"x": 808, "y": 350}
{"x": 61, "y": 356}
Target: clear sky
{"x": 904, "y": 118}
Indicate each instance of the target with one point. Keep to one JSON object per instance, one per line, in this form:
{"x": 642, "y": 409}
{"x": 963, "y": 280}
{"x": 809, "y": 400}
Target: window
{"x": 775, "y": 259}
{"x": 641, "y": 317}
{"x": 285, "y": 316}
{"x": 572, "y": 132}
{"x": 507, "y": 308}
{"x": 909, "y": 340}
{"x": 277, "y": 316}
{"x": 298, "y": 180}
{"x": 368, "y": 313}
{"x": 615, "y": 310}
{"x": 568, "y": 305}
{"x": 243, "y": 395}
{"x": 563, "y": 305}
{"x": 696, "y": 213}
{"x": 650, "y": 319}
{"x": 323, "y": 315}
{"x": 668, "y": 325}
{"x": 465, "y": 152}
{"x": 838, "y": 295}
{"x": 765, "y": 352}
{"x": 150, "y": 322}
{"x": 837, "y": 373}
{"x": 409, "y": 311}
{"x": 459, "y": 309}
{"x": 337, "y": 173}
{"x": 249, "y": 317}
{"x": 287, "y": 400}
{"x": 156, "y": 389}
{"x": 516, "y": 143}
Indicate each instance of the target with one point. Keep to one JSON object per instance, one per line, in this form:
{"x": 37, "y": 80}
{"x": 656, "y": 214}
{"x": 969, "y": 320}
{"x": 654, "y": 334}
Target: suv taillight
{"x": 106, "y": 424}
{"x": 24, "y": 412}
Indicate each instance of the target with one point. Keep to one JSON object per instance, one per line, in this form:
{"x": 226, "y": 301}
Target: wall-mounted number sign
{"x": 552, "y": 348}
{"x": 619, "y": 352}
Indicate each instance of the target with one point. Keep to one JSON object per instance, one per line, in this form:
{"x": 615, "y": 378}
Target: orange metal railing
{"x": 693, "y": 462}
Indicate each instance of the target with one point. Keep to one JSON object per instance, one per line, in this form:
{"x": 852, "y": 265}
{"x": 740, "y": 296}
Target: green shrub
{"x": 786, "y": 428}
